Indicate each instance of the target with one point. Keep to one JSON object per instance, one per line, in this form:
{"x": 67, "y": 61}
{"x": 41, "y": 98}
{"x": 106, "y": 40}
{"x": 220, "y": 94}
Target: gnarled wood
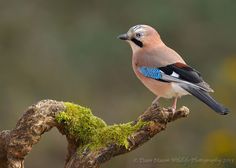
{"x": 17, "y": 143}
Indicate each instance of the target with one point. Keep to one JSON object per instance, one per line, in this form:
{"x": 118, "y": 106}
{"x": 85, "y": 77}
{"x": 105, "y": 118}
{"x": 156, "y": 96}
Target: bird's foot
{"x": 155, "y": 101}
{"x": 155, "y": 104}
{"x": 172, "y": 109}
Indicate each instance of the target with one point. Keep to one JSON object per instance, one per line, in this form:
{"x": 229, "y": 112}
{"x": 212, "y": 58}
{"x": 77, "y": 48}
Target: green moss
{"x": 91, "y": 131}
{"x": 79, "y": 122}
{"x": 117, "y": 133}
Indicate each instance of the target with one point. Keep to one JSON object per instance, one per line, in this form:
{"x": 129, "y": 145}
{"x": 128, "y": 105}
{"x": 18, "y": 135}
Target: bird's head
{"x": 141, "y": 36}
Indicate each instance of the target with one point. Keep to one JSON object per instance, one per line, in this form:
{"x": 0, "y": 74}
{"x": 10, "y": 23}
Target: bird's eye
{"x": 138, "y": 35}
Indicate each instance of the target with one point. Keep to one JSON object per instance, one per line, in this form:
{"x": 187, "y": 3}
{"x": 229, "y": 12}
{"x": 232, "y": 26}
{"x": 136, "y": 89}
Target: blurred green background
{"x": 67, "y": 50}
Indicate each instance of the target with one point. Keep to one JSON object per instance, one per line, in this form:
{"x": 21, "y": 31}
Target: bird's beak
{"x": 123, "y": 36}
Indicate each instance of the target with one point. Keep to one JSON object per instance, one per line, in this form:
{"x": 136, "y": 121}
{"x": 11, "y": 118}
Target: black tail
{"x": 206, "y": 98}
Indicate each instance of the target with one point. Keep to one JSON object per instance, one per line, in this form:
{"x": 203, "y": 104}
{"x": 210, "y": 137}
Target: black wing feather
{"x": 185, "y": 72}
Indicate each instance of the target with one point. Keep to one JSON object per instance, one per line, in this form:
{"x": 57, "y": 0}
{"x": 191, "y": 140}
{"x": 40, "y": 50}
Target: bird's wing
{"x": 183, "y": 72}
{"x": 177, "y": 72}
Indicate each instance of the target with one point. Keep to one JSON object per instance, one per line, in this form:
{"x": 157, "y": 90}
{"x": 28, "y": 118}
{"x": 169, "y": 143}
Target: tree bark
{"x": 15, "y": 144}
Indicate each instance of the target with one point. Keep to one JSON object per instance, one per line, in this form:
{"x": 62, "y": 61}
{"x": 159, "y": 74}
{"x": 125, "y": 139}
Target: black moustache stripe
{"x": 137, "y": 42}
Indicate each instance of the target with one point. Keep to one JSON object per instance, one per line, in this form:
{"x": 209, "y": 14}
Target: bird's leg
{"x": 174, "y": 103}
{"x": 155, "y": 101}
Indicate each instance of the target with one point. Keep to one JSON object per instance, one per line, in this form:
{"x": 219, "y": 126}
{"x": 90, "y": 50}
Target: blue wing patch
{"x": 149, "y": 72}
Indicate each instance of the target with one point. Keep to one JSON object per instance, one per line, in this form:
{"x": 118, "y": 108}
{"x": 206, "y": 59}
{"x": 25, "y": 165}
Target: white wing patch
{"x": 175, "y": 75}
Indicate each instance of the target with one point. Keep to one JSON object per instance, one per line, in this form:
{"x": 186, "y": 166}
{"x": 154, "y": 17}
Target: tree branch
{"x": 90, "y": 141}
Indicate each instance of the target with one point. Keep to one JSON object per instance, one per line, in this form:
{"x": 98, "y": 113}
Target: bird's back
{"x": 157, "y": 56}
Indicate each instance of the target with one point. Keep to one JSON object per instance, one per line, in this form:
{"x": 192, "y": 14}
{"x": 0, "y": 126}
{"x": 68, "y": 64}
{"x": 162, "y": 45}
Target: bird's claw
{"x": 155, "y": 104}
{"x": 172, "y": 110}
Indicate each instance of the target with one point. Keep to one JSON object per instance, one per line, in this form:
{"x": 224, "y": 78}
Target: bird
{"x": 163, "y": 71}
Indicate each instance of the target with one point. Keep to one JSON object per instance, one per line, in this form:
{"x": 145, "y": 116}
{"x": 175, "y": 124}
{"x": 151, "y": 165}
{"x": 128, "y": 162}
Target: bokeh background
{"x": 67, "y": 50}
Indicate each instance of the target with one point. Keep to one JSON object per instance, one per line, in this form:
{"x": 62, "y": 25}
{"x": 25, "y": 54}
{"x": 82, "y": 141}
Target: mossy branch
{"x": 91, "y": 141}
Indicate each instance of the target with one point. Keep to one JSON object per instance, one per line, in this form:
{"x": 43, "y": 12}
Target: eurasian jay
{"x": 163, "y": 71}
